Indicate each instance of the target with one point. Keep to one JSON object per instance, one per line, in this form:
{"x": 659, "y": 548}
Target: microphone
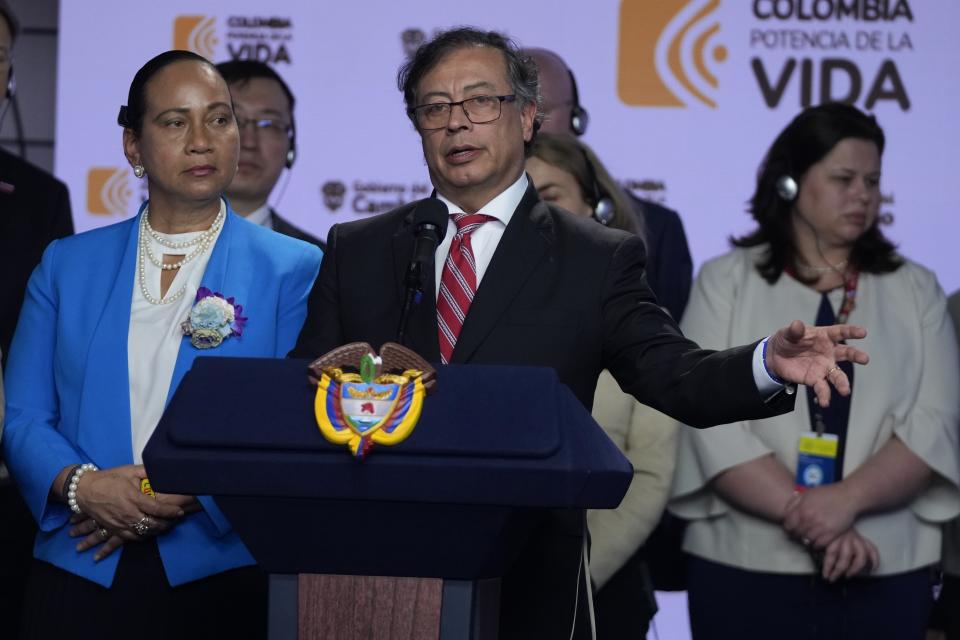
{"x": 430, "y": 224}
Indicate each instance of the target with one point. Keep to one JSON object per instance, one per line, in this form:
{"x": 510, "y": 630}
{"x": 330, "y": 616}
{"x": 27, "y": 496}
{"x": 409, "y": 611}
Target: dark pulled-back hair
{"x": 242, "y": 71}
{"x": 6, "y": 12}
{"x": 805, "y": 141}
{"x": 521, "y": 69}
{"x": 131, "y": 114}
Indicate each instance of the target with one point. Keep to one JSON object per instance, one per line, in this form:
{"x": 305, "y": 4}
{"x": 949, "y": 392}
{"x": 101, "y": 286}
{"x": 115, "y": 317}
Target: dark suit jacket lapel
{"x": 421, "y": 335}
{"x": 521, "y": 248}
{"x": 279, "y": 224}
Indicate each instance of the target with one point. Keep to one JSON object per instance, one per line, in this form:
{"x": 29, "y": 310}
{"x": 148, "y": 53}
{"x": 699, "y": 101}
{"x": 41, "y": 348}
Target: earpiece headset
{"x": 11, "y": 90}
{"x": 13, "y": 26}
{"x": 292, "y": 151}
{"x": 603, "y": 207}
{"x": 579, "y": 118}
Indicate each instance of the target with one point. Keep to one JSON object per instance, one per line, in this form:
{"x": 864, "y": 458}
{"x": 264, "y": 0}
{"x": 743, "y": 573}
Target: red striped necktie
{"x": 458, "y": 282}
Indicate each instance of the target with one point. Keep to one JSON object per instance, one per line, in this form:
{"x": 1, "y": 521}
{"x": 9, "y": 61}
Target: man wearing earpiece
{"x": 669, "y": 267}
{"x": 264, "y": 108}
{"x": 34, "y": 209}
{"x": 517, "y": 281}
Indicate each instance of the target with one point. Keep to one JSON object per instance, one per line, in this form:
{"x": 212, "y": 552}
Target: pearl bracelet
{"x": 74, "y": 481}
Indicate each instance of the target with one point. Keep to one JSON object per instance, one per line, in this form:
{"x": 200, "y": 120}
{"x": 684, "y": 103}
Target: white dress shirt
{"x": 485, "y": 239}
{"x": 261, "y": 216}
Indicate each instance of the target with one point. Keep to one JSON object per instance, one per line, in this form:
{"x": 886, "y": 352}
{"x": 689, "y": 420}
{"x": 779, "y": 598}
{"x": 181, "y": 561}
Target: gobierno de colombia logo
{"x": 668, "y": 53}
{"x": 197, "y": 34}
{"x": 108, "y": 191}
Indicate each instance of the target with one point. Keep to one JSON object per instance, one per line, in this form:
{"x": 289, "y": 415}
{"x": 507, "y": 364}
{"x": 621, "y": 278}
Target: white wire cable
{"x": 283, "y": 191}
{"x": 583, "y": 569}
{"x": 586, "y": 569}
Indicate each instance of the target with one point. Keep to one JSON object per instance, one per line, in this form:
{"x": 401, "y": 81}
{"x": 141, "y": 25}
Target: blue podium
{"x": 454, "y": 504}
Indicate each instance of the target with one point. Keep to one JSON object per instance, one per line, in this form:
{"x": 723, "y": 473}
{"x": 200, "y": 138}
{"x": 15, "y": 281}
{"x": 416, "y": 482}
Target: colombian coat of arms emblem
{"x": 365, "y": 399}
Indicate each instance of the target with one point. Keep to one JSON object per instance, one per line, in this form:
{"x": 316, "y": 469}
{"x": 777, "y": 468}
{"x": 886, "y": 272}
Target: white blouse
{"x": 155, "y": 336}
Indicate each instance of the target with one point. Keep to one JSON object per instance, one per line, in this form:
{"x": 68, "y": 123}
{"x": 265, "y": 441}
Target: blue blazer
{"x": 68, "y": 399}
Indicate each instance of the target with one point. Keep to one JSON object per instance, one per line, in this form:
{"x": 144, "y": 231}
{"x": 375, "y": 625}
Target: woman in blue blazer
{"x": 112, "y": 320}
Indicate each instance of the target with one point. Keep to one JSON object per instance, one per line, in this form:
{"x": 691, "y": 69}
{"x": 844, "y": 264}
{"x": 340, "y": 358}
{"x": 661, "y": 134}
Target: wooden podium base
{"x": 318, "y": 607}
{"x": 369, "y": 607}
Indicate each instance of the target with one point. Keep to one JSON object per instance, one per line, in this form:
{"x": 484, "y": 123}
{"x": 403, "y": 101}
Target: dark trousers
{"x": 17, "y": 530}
{"x": 946, "y": 612}
{"x": 544, "y": 594}
{"x": 626, "y": 603}
{"x": 142, "y": 605}
{"x": 726, "y": 602}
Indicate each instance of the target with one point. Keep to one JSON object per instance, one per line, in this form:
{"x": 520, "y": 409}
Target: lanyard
{"x": 849, "y": 297}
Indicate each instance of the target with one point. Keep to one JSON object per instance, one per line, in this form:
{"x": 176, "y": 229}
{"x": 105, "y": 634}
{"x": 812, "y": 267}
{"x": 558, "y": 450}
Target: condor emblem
{"x": 380, "y": 404}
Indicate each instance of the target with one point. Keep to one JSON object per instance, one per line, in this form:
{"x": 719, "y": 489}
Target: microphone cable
{"x": 583, "y": 569}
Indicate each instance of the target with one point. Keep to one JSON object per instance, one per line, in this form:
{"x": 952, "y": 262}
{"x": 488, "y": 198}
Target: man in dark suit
{"x": 534, "y": 285}
{"x": 669, "y": 267}
{"x": 34, "y": 209}
{"x": 264, "y": 108}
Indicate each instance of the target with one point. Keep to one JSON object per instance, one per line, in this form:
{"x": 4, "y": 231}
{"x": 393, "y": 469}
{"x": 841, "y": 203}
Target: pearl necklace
{"x": 203, "y": 242}
{"x": 202, "y": 246}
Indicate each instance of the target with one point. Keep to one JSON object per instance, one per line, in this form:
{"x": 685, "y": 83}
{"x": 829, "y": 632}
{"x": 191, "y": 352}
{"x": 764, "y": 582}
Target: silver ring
{"x": 142, "y": 526}
{"x": 104, "y": 534}
{"x": 831, "y": 370}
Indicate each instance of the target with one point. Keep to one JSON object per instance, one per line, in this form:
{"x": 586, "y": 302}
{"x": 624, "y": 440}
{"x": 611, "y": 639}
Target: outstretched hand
{"x": 804, "y": 354}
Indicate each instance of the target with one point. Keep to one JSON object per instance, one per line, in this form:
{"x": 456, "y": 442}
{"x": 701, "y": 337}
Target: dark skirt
{"x": 17, "y": 531}
{"x": 726, "y": 602}
{"x": 142, "y": 605}
{"x": 946, "y": 612}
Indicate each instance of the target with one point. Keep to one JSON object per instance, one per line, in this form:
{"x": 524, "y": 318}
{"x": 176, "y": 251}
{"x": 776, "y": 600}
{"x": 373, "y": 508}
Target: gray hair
{"x": 522, "y": 70}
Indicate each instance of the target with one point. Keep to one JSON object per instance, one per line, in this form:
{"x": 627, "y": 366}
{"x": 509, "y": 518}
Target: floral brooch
{"x": 213, "y": 319}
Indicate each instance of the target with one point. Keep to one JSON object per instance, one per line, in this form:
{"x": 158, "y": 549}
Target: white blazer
{"x": 909, "y": 389}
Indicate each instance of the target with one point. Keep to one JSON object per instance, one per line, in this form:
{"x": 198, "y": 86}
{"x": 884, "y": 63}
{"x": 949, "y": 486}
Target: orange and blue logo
{"x": 668, "y": 53}
{"x": 108, "y": 191}
{"x": 197, "y": 34}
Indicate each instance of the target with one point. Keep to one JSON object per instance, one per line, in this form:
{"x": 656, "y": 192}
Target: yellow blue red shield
{"x": 360, "y": 414}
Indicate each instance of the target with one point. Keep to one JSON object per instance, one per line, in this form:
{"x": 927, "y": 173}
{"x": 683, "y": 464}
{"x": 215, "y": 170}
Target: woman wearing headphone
{"x": 567, "y": 173}
{"x": 823, "y": 522}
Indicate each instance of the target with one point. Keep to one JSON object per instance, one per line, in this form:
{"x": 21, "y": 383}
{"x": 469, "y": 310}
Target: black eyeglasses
{"x": 478, "y": 109}
{"x": 269, "y": 126}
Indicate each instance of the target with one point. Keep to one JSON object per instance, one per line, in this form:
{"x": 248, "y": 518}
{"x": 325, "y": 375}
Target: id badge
{"x": 816, "y": 459}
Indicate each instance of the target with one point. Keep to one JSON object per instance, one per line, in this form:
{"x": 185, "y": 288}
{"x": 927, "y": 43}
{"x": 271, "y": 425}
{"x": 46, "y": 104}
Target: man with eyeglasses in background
{"x": 264, "y": 108}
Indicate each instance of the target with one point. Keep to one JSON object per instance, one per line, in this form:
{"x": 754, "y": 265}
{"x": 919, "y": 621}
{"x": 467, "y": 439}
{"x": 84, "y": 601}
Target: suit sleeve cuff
{"x": 767, "y": 384}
